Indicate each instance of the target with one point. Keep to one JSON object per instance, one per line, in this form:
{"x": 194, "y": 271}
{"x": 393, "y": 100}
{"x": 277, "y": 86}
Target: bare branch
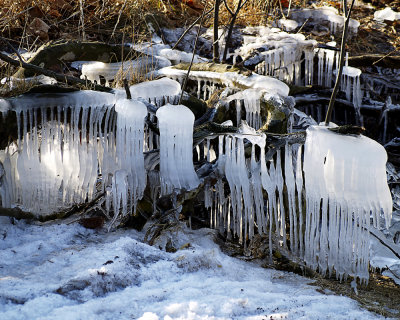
{"x": 227, "y": 8}
{"x": 341, "y": 63}
{"x": 189, "y": 28}
{"x": 381, "y": 238}
{"x": 194, "y": 51}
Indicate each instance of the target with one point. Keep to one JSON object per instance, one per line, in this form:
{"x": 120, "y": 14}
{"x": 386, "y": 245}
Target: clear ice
{"x": 176, "y": 148}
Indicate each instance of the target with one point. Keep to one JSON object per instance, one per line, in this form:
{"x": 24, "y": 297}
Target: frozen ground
{"x": 60, "y": 271}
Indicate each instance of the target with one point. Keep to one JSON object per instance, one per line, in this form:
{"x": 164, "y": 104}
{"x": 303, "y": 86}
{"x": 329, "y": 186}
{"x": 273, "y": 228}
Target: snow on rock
{"x": 287, "y": 24}
{"x": 280, "y": 53}
{"x": 345, "y": 179}
{"x": 68, "y": 272}
{"x": 155, "y": 91}
{"x": 322, "y": 14}
{"x": 14, "y": 82}
{"x": 228, "y": 79}
{"x": 164, "y": 51}
{"x": 176, "y": 143}
{"x": 386, "y": 14}
{"x": 112, "y": 72}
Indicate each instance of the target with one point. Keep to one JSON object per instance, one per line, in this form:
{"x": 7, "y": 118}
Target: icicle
{"x": 176, "y": 141}
{"x": 129, "y": 147}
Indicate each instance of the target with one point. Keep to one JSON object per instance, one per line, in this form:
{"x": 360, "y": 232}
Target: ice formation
{"x": 342, "y": 187}
{"x": 287, "y": 24}
{"x": 54, "y": 163}
{"x": 163, "y": 51}
{"x": 386, "y": 14}
{"x": 345, "y": 184}
{"x": 328, "y": 62}
{"x": 281, "y": 55}
{"x": 129, "y": 181}
{"x": 322, "y": 14}
{"x": 251, "y": 100}
{"x": 209, "y": 81}
{"x": 350, "y": 84}
{"x": 95, "y": 70}
{"x": 176, "y": 143}
{"x": 158, "y": 92}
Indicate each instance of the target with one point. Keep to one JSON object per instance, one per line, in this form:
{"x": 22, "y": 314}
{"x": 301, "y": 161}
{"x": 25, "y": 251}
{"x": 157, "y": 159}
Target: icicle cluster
{"x": 350, "y": 84}
{"x": 345, "y": 184}
{"x": 55, "y": 162}
{"x": 327, "y": 59}
{"x": 284, "y": 63}
{"x": 176, "y": 143}
{"x": 245, "y": 206}
{"x": 251, "y": 100}
{"x": 129, "y": 181}
{"x": 158, "y": 92}
{"x": 209, "y": 81}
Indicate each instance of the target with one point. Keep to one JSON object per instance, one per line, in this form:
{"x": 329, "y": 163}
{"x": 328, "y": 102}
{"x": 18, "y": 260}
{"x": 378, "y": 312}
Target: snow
{"x": 60, "y": 271}
{"x": 163, "y": 51}
{"x": 386, "y": 14}
{"x": 287, "y": 24}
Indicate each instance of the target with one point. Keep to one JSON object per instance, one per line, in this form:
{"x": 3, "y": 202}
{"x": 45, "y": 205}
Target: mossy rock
{"x": 197, "y": 106}
{"x": 53, "y": 55}
{"x": 213, "y": 67}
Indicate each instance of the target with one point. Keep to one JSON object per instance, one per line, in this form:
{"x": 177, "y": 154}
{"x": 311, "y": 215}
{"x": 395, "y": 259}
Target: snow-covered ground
{"x": 60, "y": 271}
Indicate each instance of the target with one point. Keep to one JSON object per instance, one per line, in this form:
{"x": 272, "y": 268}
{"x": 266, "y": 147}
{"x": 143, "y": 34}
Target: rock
{"x": 39, "y": 28}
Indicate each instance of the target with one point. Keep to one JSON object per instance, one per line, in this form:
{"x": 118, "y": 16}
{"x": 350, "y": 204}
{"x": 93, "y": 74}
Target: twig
{"x": 342, "y": 54}
{"x": 384, "y": 242}
{"x": 190, "y": 28}
{"x": 119, "y": 17}
{"x": 127, "y": 90}
{"x": 229, "y": 9}
{"x": 395, "y": 275}
{"x": 215, "y": 31}
{"x": 387, "y": 55}
{"x": 194, "y": 50}
{"x": 12, "y": 48}
{"x": 303, "y": 25}
{"x": 240, "y": 5}
{"x": 82, "y": 20}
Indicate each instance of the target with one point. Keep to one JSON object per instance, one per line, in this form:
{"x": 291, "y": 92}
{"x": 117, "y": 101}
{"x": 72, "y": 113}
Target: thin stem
{"x": 215, "y": 36}
{"x": 189, "y": 28}
{"x": 341, "y": 63}
{"x": 194, "y": 50}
